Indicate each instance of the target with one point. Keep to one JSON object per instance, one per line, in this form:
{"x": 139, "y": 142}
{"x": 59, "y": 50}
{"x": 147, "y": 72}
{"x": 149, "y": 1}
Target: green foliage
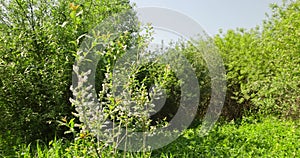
{"x": 38, "y": 40}
{"x": 129, "y": 82}
{"x": 266, "y": 137}
{"x": 198, "y": 53}
{"x": 263, "y": 66}
{"x": 251, "y": 137}
{"x": 83, "y": 147}
{"x": 238, "y": 50}
{"x": 39, "y": 43}
{"x": 281, "y": 43}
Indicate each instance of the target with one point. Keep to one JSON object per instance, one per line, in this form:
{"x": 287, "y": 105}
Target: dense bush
{"x": 38, "y": 46}
{"x": 263, "y": 65}
{"x": 37, "y": 43}
{"x": 204, "y": 58}
{"x": 131, "y": 88}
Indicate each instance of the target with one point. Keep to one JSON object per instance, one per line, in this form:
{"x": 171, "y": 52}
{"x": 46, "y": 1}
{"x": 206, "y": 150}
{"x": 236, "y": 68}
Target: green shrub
{"x": 129, "y": 82}
{"x": 263, "y": 65}
{"x": 37, "y": 43}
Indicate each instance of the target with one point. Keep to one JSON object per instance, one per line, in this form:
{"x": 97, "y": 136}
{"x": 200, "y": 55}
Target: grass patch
{"x": 266, "y": 137}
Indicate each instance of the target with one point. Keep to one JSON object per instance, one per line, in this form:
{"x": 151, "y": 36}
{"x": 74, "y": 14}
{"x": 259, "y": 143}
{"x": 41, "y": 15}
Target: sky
{"x": 213, "y": 15}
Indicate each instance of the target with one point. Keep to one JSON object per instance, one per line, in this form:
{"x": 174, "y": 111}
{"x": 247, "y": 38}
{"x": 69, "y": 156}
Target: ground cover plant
{"x": 251, "y": 137}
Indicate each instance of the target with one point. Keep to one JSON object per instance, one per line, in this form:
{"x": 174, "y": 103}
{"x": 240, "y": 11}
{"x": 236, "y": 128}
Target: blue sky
{"x": 213, "y": 15}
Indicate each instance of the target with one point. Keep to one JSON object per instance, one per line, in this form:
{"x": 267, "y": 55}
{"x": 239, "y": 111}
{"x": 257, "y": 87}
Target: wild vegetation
{"x": 41, "y": 40}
